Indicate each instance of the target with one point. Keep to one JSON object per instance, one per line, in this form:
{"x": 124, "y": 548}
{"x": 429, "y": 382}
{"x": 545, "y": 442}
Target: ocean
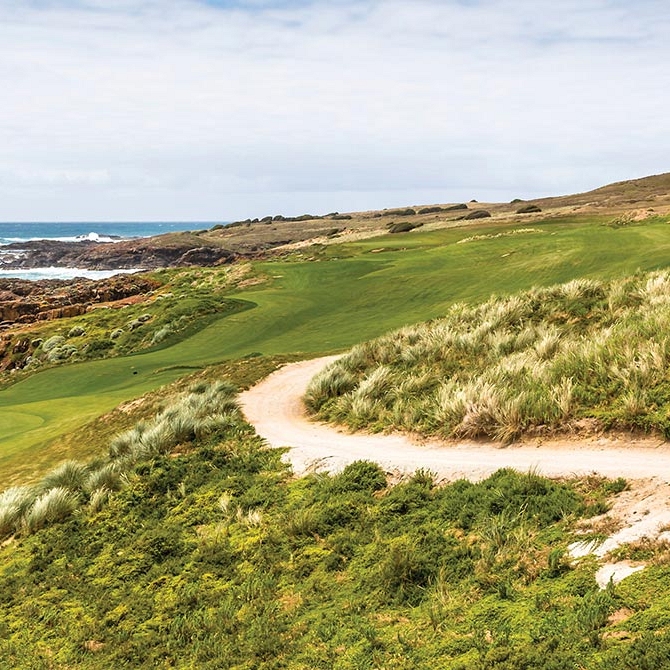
{"x": 106, "y": 233}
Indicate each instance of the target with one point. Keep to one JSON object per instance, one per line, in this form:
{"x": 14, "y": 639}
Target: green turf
{"x": 344, "y": 295}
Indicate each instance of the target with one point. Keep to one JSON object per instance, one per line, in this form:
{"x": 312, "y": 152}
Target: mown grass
{"x": 537, "y": 360}
{"x": 329, "y": 299}
{"x": 210, "y": 555}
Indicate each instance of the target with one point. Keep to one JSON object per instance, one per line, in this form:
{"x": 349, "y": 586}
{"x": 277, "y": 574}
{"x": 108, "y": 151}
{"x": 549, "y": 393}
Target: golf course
{"x": 323, "y": 302}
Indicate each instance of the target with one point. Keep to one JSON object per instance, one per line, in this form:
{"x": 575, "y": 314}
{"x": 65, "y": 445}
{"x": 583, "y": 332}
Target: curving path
{"x": 275, "y": 408}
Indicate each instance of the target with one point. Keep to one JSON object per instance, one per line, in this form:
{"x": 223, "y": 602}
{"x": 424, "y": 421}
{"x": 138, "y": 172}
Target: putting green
{"x": 352, "y": 293}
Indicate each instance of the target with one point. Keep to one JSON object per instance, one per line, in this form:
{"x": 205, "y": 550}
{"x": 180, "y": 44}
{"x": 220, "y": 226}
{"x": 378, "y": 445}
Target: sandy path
{"x": 275, "y": 408}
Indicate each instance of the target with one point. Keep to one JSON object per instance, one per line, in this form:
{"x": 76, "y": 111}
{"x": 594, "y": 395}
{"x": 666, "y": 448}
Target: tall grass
{"x": 535, "y": 361}
{"x": 204, "y": 412}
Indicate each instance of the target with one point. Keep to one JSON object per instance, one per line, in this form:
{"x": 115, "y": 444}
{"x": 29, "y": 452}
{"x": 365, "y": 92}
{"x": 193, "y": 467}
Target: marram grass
{"x": 535, "y": 361}
{"x": 204, "y": 410}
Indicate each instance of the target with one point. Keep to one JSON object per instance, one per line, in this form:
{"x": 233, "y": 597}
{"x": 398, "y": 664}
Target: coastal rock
{"x": 145, "y": 253}
{"x": 23, "y": 302}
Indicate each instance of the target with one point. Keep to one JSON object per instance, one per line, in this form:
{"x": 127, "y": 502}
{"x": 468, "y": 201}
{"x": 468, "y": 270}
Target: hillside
{"x": 277, "y": 234}
{"x": 197, "y": 549}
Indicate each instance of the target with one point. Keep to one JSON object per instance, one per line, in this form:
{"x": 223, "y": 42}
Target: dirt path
{"x": 275, "y": 408}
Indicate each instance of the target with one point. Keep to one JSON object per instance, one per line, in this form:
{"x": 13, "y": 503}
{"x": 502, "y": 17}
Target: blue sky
{"x": 216, "y": 110}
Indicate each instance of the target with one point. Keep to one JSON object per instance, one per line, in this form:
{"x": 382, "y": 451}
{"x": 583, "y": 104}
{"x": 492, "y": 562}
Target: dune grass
{"x": 329, "y": 299}
{"x": 537, "y": 360}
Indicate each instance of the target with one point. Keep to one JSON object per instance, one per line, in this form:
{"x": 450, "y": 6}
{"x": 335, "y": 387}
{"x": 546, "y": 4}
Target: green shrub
{"x": 359, "y": 476}
{"x": 403, "y": 227}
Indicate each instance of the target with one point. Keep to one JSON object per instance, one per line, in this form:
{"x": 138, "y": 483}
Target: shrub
{"x": 360, "y": 476}
{"x": 52, "y": 343}
{"x": 528, "y": 209}
{"x": 477, "y": 214}
{"x": 403, "y": 227}
{"x": 401, "y": 212}
{"x": 61, "y": 353}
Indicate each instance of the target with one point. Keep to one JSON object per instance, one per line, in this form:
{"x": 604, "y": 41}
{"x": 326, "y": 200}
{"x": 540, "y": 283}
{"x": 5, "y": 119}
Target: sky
{"x": 226, "y": 109}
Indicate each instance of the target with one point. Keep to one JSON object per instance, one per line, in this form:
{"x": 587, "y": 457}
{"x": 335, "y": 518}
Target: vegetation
{"x": 165, "y": 534}
{"x": 186, "y": 300}
{"x": 534, "y": 361}
{"x": 209, "y": 555}
{"x": 322, "y": 300}
{"x": 204, "y": 411}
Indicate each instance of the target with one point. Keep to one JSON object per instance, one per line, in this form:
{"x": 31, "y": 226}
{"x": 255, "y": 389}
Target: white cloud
{"x": 183, "y": 109}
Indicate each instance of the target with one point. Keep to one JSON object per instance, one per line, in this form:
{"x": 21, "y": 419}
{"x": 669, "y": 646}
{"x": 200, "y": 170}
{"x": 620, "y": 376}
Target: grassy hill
{"x": 537, "y": 361}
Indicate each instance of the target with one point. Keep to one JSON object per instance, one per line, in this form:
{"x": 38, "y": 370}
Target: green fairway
{"x": 348, "y": 294}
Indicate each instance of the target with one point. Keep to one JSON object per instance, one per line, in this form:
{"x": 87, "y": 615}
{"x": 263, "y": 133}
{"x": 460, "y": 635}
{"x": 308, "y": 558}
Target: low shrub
{"x": 403, "y": 227}
{"x": 401, "y": 212}
{"x": 477, "y": 214}
{"x": 528, "y": 209}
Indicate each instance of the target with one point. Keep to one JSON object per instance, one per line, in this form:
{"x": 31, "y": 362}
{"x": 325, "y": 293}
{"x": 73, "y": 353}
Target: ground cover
{"x": 329, "y": 298}
{"x": 207, "y": 554}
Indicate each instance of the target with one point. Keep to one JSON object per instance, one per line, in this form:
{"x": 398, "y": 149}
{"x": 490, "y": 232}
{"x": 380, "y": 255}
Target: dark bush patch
{"x": 477, "y": 214}
{"x": 401, "y": 212}
{"x": 528, "y": 209}
{"x": 403, "y": 227}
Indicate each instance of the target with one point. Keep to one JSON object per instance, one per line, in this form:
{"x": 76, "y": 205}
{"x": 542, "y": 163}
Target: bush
{"x": 528, "y": 209}
{"x": 401, "y": 212}
{"x": 52, "y": 343}
{"x": 477, "y": 214}
{"x": 360, "y": 476}
{"x": 403, "y": 227}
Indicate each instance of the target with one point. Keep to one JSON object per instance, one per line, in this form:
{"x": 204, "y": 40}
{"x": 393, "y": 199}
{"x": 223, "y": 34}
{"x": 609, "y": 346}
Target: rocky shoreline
{"x": 144, "y": 253}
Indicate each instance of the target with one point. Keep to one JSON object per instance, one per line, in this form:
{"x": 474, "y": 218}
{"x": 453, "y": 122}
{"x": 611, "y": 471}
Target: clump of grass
{"x": 538, "y": 360}
{"x": 205, "y": 411}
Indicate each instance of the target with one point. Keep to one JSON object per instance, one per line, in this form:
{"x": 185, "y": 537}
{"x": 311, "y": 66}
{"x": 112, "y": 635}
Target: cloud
{"x": 235, "y": 107}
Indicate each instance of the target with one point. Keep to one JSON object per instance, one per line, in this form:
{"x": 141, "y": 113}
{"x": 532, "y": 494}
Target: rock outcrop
{"x": 23, "y": 301}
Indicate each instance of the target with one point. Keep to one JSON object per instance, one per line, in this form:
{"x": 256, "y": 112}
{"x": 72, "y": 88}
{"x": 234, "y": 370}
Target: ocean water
{"x": 105, "y": 233}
